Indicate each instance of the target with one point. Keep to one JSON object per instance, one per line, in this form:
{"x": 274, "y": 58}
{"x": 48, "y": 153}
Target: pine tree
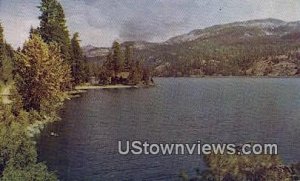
{"x": 76, "y": 59}
{"x": 33, "y": 31}
{"x": 2, "y": 46}
{"x": 1, "y": 39}
{"x": 53, "y": 28}
{"x": 41, "y": 75}
{"x": 6, "y": 55}
{"x": 6, "y": 69}
{"x": 128, "y": 56}
{"x": 109, "y": 65}
{"x": 146, "y": 76}
{"x": 79, "y": 65}
{"x": 109, "y": 61}
{"x": 117, "y": 58}
{"x": 135, "y": 74}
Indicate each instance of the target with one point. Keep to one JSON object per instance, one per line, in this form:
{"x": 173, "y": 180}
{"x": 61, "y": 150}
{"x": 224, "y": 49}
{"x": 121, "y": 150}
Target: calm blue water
{"x": 184, "y": 110}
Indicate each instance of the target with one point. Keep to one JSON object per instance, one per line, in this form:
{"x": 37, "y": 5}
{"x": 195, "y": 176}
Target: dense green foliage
{"x": 53, "y": 28}
{"x": 6, "y": 57}
{"x": 117, "y": 58}
{"x": 245, "y": 167}
{"x": 135, "y": 73}
{"x": 18, "y": 156}
{"x": 41, "y": 75}
{"x": 35, "y": 78}
{"x": 2, "y": 46}
{"x": 128, "y": 56}
{"x": 220, "y": 50}
{"x": 79, "y": 66}
{"x": 121, "y": 67}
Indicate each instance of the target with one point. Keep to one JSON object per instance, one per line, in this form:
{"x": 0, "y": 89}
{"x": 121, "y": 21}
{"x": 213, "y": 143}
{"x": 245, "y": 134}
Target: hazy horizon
{"x": 101, "y": 22}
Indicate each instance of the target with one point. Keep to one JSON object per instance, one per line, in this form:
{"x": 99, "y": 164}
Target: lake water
{"x": 212, "y": 110}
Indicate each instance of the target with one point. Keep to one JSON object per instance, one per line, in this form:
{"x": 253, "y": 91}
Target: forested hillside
{"x": 266, "y": 47}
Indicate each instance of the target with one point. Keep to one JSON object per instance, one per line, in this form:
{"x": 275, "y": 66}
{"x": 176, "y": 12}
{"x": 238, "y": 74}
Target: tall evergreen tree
{"x": 135, "y": 73}
{"x": 128, "y": 56}
{"x": 109, "y": 61}
{"x": 146, "y": 75}
{"x": 117, "y": 57}
{"x": 53, "y": 28}
{"x": 1, "y": 38}
{"x": 108, "y": 65}
{"x": 6, "y": 55}
{"x": 79, "y": 66}
{"x": 2, "y": 46}
{"x": 42, "y": 73}
{"x": 6, "y": 69}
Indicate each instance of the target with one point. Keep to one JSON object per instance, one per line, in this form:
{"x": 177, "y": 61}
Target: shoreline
{"x": 37, "y": 127}
{"x": 90, "y": 87}
{"x": 258, "y": 77}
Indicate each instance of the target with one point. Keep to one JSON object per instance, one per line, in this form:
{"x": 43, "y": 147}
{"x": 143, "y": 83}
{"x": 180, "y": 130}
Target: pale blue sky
{"x": 100, "y": 22}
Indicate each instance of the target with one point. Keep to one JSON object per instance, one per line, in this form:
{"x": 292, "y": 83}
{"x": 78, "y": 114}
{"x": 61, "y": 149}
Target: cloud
{"x": 136, "y": 19}
{"x": 100, "y": 22}
{"x": 161, "y": 19}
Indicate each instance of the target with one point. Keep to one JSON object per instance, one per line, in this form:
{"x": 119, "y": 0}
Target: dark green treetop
{"x": 53, "y": 26}
{"x": 117, "y": 57}
{"x": 79, "y": 66}
{"x": 128, "y": 56}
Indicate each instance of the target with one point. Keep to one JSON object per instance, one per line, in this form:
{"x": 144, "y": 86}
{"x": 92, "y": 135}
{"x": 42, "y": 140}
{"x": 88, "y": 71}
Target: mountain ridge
{"x": 228, "y": 49}
{"x": 254, "y": 22}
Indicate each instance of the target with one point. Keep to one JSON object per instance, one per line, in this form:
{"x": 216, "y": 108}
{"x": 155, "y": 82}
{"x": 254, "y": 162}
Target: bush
{"x": 34, "y": 172}
{"x": 244, "y": 167}
{"x": 18, "y": 155}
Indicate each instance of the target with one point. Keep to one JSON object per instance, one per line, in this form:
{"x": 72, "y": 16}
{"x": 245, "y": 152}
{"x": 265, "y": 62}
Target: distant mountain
{"x": 267, "y": 26}
{"x": 229, "y": 49}
{"x": 91, "y": 51}
{"x": 95, "y": 55}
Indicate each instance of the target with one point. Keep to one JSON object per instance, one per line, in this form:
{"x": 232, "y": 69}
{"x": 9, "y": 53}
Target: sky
{"x": 100, "y": 22}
